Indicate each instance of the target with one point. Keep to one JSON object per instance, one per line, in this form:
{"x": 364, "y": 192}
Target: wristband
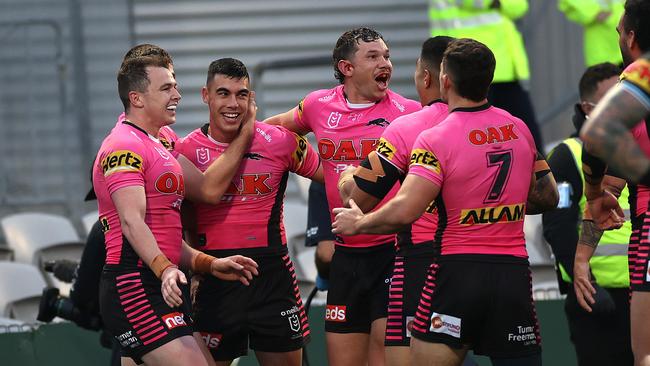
{"x": 202, "y": 263}
{"x": 159, "y": 264}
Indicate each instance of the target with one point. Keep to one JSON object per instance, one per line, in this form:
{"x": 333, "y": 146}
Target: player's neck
{"x": 142, "y": 121}
{"x": 221, "y": 136}
{"x": 428, "y": 99}
{"x": 354, "y": 96}
{"x": 455, "y": 101}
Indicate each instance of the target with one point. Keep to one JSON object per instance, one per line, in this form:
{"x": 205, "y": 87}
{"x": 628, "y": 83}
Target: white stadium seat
{"x": 21, "y": 286}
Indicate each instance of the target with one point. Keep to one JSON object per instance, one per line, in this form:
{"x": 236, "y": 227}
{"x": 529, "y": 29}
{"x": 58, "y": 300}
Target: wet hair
{"x": 594, "y": 75}
{"x": 133, "y": 76}
{"x": 637, "y": 13}
{"x": 229, "y": 67}
{"x": 432, "y": 51}
{"x": 348, "y": 44}
{"x": 470, "y": 65}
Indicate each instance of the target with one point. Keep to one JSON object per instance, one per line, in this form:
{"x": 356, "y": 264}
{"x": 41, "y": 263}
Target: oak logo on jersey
{"x": 300, "y": 152}
{"x": 170, "y": 183}
{"x": 251, "y": 184}
{"x": 378, "y": 122}
{"x": 638, "y": 73}
{"x": 121, "y": 161}
{"x": 345, "y": 150}
{"x": 202, "y": 155}
{"x": 492, "y": 215}
{"x": 493, "y": 135}
{"x": 385, "y": 149}
{"x": 426, "y": 159}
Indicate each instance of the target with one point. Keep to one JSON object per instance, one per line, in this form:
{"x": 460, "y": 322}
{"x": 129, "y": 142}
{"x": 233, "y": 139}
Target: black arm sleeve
{"x": 561, "y": 224}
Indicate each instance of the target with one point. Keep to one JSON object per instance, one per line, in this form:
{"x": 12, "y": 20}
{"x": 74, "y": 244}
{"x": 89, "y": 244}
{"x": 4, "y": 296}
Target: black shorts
{"x": 481, "y": 301}
{"x": 319, "y": 224}
{"x": 269, "y": 313}
{"x": 358, "y": 292}
{"x": 133, "y": 310}
{"x": 639, "y": 254}
{"x": 409, "y": 272}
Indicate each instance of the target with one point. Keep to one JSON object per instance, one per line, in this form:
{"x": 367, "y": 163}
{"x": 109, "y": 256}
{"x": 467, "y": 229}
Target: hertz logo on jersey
{"x": 492, "y": 215}
{"x": 385, "y": 149}
{"x": 121, "y": 161}
{"x": 638, "y": 73}
{"x": 426, "y": 159}
{"x": 301, "y": 150}
{"x": 301, "y": 105}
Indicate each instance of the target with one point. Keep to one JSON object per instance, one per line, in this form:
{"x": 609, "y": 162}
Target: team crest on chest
{"x": 202, "y": 155}
{"x": 334, "y": 119}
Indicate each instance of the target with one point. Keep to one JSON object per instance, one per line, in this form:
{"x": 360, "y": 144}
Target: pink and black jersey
{"x": 482, "y": 159}
{"x": 395, "y": 146}
{"x": 249, "y": 215}
{"x": 131, "y": 157}
{"x": 166, "y": 135}
{"x": 346, "y": 134}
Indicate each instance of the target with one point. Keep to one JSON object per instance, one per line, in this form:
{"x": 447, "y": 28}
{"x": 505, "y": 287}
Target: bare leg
{"x": 183, "y": 351}
{"x": 293, "y": 358}
{"x": 376, "y": 349}
{"x": 640, "y": 327}
{"x": 435, "y": 354}
{"x": 347, "y": 349}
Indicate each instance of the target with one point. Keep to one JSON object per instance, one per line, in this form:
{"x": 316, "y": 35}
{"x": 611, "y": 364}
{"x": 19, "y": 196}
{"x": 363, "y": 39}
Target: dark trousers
{"x": 514, "y": 99}
{"x": 601, "y": 339}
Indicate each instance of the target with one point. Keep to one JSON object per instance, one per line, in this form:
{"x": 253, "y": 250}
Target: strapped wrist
{"x": 160, "y": 264}
{"x": 202, "y": 263}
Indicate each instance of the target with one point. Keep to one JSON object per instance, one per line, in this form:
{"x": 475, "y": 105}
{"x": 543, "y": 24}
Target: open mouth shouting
{"x": 382, "y": 80}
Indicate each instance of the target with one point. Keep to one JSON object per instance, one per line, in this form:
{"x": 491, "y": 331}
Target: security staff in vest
{"x": 491, "y": 23}
{"x": 603, "y": 336}
{"x": 599, "y": 19}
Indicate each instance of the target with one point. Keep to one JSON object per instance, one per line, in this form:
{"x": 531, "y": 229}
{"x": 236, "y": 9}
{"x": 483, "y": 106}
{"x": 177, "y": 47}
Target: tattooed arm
{"x": 606, "y": 133}
{"x": 544, "y": 196}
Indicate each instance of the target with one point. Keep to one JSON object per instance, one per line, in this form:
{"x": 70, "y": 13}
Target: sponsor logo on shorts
{"x": 334, "y": 119}
{"x": 128, "y": 339}
{"x": 335, "y": 313}
{"x": 173, "y": 320}
{"x": 525, "y": 335}
{"x": 492, "y": 215}
{"x": 212, "y": 340}
{"x": 492, "y": 135}
{"x": 426, "y": 159}
{"x": 447, "y": 324}
{"x": 202, "y": 155}
{"x": 409, "y": 325}
{"x": 121, "y": 161}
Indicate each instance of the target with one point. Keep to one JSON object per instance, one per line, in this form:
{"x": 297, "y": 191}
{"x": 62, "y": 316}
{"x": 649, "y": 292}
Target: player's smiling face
{"x": 227, "y": 99}
{"x": 162, "y": 96}
{"x": 370, "y": 71}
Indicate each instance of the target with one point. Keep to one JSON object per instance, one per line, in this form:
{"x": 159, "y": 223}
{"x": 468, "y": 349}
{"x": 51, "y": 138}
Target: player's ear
{"x": 135, "y": 99}
{"x": 427, "y": 78}
{"x": 204, "y": 94}
{"x": 345, "y": 67}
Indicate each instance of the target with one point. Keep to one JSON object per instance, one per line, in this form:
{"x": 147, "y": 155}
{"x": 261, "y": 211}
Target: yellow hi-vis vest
{"x": 609, "y": 263}
{"x": 493, "y": 27}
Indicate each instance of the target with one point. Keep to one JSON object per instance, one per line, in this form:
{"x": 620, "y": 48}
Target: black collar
{"x": 472, "y": 109}
{"x": 126, "y": 122}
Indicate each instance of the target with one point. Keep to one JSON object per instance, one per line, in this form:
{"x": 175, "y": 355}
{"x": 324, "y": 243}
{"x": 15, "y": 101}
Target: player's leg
{"x": 376, "y": 348}
{"x": 640, "y": 327}
{"x": 183, "y": 351}
{"x": 292, "y": 358}
{"x": 435, "y": 354}
{"x": 347, "y": 349}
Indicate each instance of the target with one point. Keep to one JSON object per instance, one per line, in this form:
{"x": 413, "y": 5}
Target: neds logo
{"x": 335, "y": 313}
{"x": 173, "y": 320}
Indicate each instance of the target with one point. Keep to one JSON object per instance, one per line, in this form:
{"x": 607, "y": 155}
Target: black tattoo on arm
{"x": 606, "y": 133}
{"x": 590, "y": 234}
{"x": 544, "y": 197}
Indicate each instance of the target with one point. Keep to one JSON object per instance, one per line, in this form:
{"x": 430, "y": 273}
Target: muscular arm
{"x": 606, "y": 133}
{"x": 286, "y": 120}
{"x": 413, "y": 198}
{"x": 544, "y": 195}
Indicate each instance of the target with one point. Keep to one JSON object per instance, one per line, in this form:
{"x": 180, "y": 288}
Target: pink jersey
{"x": 395, "y": 146}
{"x": 346, "y": 135}
{"x": 640, "y": 133}
{"x": 131, "y": 157}
{"x": 250, "y": 212}
{"x": 166, "y": 135}
{"x": 482, "y": 159}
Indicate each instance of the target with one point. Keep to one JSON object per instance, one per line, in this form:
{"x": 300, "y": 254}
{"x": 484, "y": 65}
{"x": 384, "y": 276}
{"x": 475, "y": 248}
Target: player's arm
{"x": 606, "y": 134}
{"x": 544, "y": 196}
{"x": 209, "y": 186}
{"x": 413, "y": 198}
{"x": 233, "y": 268}
{"x": 287, "y": 120}
{"x": 131, "y": 205}
{"x": 370, "y": 182}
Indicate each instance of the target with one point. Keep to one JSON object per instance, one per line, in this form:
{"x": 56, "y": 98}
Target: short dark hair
{"x": 133, "y": 76}
{"x": 348, "y": 44}
{"x": 230, "y": 67}
{"x": 594, "y": 75}
{"x": 432, "y": 51}
{"x": 637, "y": 13}
{"x": 148, "y": 49}
{"x": 470, "y": 65}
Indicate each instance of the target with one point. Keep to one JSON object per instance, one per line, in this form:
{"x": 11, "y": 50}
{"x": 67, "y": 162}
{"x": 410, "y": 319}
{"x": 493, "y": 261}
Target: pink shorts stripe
{"x": 132, "y": 274}
{"x": 155, "y": 338}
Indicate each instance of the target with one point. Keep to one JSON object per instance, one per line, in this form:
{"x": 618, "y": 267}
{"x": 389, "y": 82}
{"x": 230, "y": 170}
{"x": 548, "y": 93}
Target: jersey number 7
{"x": 503, "y": 161}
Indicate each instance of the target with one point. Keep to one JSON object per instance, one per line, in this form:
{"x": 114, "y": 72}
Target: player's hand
{"x": 194, "y": 286}
{"x": 345, "y": 176}
{"x": 234, "y": 268}
{"x": 346, "y": 219}
{"x": 605, "y": 211}
{"x": 582, "y": 283}
{"x": 248, "y": 123}
{"x": 171, "y": 293}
